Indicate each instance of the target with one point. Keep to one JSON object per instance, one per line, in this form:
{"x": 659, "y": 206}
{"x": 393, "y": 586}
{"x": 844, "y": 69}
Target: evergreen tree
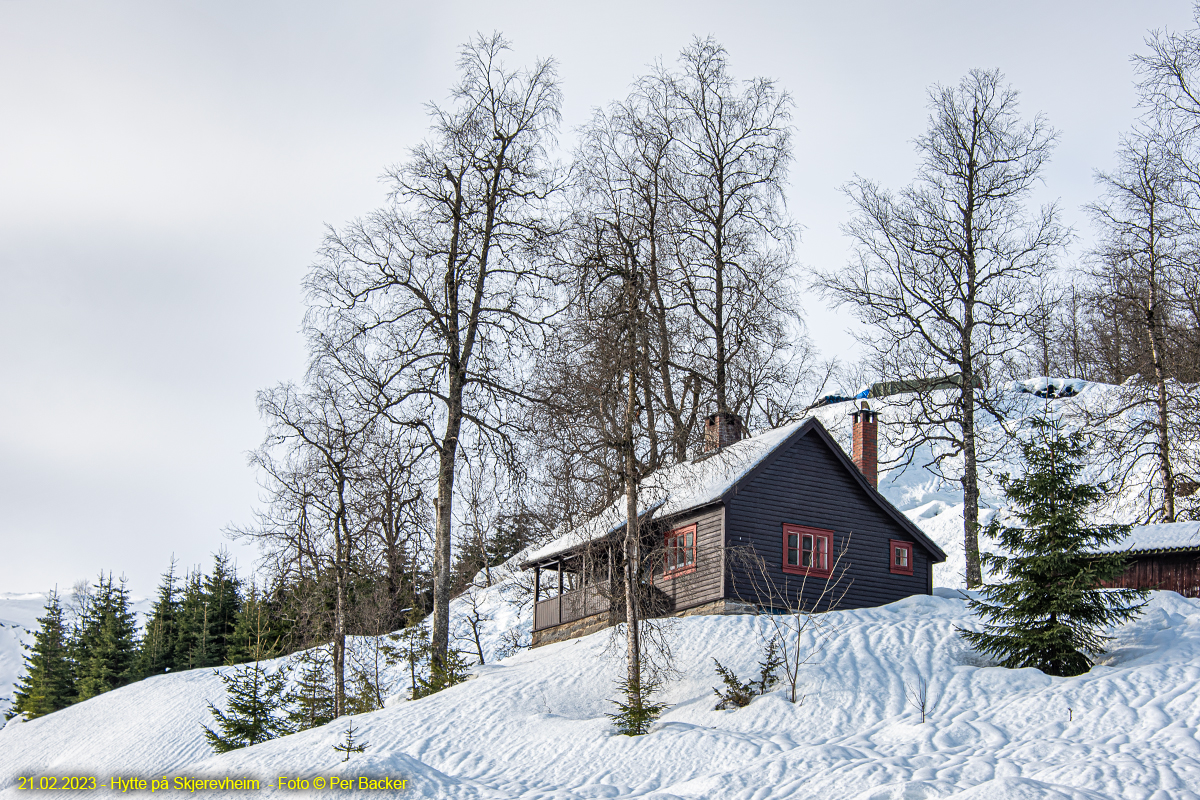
{"x": 310, "y": 704}
{"x": 49, "y": 680}
{"x": 223, "y": 601}
{"x": 363, "y": 696}
{"x": 157, "y": 652}
{"x": 106, "y": 646}
{"x": 258, "y": 634}
{"x": 348, "y": 745}
{"x": 192, "y": 646}
{"x": 1050, "y": 610}
{"x": 635, "y": 713}
{"x": 256, "y": 701}
{"x": 442, "y": 675}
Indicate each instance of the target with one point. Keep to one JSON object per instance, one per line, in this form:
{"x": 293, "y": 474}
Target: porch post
{"x": 537, "y": 583}
{"x": 560, "y": 584}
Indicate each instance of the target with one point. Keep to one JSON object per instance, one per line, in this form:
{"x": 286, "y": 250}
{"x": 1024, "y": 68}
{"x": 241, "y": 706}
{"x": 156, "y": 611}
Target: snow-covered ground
{"x": 534, "y": 725}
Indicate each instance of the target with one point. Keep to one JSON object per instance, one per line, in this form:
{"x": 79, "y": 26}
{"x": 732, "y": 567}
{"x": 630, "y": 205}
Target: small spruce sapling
{"x": 1050, "y": 610}
{"x": 255, "y": 713}
{"x": 310, "y": 703}
{"x": 635, "y": 713}
{"x": 348, "y": 746}
{"x": 738, "y": 694}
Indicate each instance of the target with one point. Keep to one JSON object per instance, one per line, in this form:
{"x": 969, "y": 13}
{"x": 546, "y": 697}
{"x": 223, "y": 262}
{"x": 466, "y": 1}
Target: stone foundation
{"x": 572, "y": 630}
{"x": 598, "y": 622}
{"x": 718, "y": 607}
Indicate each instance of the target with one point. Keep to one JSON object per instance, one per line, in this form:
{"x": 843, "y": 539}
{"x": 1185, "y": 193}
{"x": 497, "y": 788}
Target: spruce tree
{"x": 259, "y": 633}
{"x": 256, "y": 700}
{"x": 310, "y": 704}
{"x": 192, "y": 646}
{"x": 223, "y": 601}
{"x": 157, "y": 652}
{"x": 1050, "y": 610}
{"x": 49, "y": 680}
{"x": 106, "y": 647}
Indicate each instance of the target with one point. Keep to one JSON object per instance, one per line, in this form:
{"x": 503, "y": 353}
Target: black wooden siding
{"x": 808, "y": 485}
{"x": 704, "y": 585}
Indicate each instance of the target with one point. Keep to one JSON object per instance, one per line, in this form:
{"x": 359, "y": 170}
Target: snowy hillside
{"x": 534, "y": 725}
{"x": 935, "y": 505}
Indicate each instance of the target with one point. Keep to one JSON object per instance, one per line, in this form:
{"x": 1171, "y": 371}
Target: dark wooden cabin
{"x": 1165, "y": 556}
{"x": 771, "y": 522}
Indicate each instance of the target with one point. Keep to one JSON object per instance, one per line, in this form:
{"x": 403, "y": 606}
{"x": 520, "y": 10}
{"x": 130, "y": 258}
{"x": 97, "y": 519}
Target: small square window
{"x": 900, "y": 557}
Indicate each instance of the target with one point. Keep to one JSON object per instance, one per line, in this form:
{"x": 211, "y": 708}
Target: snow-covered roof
{"x": 1164, "y": 536}
{"x": 693, "y": 484}
{"x": 669, "y": 491}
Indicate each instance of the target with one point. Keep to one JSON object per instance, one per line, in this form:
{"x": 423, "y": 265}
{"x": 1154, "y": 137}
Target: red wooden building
{"x": 1164, "y": 556}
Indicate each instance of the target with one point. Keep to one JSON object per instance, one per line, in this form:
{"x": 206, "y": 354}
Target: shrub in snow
{"x": 801, "y": 627}
{"x": 738, "y": 694}
{"x": 1049, "y": 612}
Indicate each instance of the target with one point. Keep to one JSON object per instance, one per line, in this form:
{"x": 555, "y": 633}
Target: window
{"x": 901, "y": 557}
{"x": 806, "y": 551}
{"x": 681, "y": 552}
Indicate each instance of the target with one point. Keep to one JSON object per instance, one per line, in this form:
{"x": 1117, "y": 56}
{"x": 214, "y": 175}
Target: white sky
{"x": 166, "y": 170}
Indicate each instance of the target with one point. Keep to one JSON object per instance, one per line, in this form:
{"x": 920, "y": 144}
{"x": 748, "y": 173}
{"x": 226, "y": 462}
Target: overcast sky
{"x": 166, "y": 170}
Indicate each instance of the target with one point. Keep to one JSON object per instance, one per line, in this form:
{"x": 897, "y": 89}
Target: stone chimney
{"x": 866, "y": 443}
{"x": 722, "y": 429}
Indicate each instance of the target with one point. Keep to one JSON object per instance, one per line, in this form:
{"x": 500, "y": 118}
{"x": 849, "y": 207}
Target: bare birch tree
{"x": 320, "y": 438}
{"x": 730, "y": 152}
{"x": 1141, "y": 261}
{"x": 431, "y": 302}
{"x": 942, "y": 272}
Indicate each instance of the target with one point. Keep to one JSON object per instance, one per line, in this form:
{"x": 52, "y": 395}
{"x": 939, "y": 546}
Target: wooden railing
{"x": 571, "y": 606}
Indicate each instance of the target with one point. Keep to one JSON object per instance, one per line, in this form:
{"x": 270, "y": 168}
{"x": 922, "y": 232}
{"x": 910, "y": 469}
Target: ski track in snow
{"x": 535, "y": 725}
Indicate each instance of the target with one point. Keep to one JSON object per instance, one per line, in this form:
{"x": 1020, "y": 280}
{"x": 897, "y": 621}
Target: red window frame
{"x": 680, "y": 556}
{"x": 900, "y": 557}
{"x": 807, "y": 551}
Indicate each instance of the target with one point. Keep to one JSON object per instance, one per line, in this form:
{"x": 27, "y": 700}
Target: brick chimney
{"x": 866, "y": 443}
{"x": 722, "y": 429}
